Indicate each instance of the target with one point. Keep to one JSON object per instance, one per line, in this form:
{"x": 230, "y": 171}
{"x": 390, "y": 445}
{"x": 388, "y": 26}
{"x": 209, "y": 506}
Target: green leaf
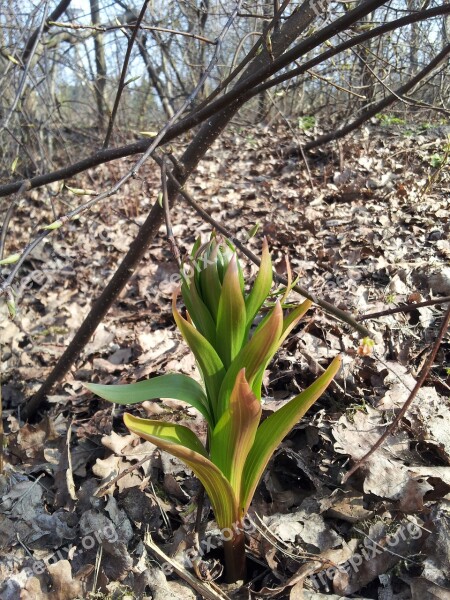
{"x": 55, "y": 225}
{"x": 289, "y": 323}
{"x": 253, "y": 230}
{"x": 292, "y": 319}
{"x": 12, "y": 310}
{"x": 10, "y": 260}
{"x": 131, "y": 80}
{"x": 224, "y": 256}
{"x": 261, "y": 287}
{"x": 272, "y": 431}
{"x": 14, "y": 164}
{"x": 196, "y": 246}
{"x": 210, "y": 365}
{"x": 210, "y": 286}
{"x": 171, "y": 385}
{"x": 81, "y": 191}
{"x": 181, "y": 442}
{"x": 252, "y": 356}
{"x": 234, "y": 434}
{"x": 197, "y": 309}
{"x": 231, "y": 315}
{"x": 12, "y": 59}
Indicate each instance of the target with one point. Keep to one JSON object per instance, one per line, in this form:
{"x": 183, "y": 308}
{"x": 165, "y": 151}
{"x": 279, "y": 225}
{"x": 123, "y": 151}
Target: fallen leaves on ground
{"x": 365, "y": 230}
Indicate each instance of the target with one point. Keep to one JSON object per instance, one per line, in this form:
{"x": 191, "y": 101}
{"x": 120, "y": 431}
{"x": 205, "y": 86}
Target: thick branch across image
{"x": 240, "y": 94}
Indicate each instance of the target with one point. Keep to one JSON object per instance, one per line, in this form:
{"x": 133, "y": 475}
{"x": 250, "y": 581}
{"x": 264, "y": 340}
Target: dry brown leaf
{"x": 64, "y": 587}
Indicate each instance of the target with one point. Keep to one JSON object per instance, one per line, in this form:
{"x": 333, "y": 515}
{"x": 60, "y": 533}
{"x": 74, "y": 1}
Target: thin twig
{"x": 55, "y": 14}
{"x": 248, "y": 57}
{"x": 5, "y": 286}
{"x": 106, "y": 28}
{"x": 165, "y": 195}
{"x": 102, "y": 491}
{"x": 386, "y": 547}
{"x": 335, "y": 85}
{"x": 423, "y": 375}
{"x": 24, "y": 77}
{"x": 23, "y": 188}
{"x": 208, "y": 590}
{"x": 405, "y": 308}
{"x": 121, "y": 85}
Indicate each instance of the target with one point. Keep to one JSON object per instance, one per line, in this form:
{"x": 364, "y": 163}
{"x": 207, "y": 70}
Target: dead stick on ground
{"x": 405, "y": 308}
{"x": 208, "y": 590}
{"x": 102, "y": 491}
{"x": 423, "y": 375}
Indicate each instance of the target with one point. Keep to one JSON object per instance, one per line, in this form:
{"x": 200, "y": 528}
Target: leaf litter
{"x": 366, "y": 232}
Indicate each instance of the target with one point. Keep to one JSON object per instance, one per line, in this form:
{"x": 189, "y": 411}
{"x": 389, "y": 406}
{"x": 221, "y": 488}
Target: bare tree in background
{"x": 100, "y": 65}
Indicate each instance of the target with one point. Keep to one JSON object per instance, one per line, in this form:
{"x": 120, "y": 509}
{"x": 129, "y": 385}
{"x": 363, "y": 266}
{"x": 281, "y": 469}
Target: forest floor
{"x": 365, "y": 223}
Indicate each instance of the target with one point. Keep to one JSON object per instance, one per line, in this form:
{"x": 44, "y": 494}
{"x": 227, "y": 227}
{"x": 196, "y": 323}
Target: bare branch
{"x": 59, "y": 10}
{"x": 121, "y": 84}
{"x": 241, "y": 92}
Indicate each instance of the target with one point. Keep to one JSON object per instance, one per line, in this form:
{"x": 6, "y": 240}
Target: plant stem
{"x": 235, "y": 559}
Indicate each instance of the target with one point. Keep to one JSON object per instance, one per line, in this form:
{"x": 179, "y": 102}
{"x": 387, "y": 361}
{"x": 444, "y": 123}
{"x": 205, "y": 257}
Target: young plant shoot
{"x": 232, "y": 353}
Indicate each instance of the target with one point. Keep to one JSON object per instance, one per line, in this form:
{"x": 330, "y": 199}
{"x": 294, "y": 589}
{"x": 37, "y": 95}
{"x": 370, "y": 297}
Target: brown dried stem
{"x": 405, "y": 308}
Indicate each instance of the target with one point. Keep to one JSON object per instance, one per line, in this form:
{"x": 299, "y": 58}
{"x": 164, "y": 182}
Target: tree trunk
{"x": 100, "y": 66}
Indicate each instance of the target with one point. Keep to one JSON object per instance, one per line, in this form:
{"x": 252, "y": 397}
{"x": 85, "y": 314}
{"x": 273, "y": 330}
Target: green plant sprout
{"x": 232, "y": 353}
{"x": 306, "y": 122}
{"x": 390, "y": 119}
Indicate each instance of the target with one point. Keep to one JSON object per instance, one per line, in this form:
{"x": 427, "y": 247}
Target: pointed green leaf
{"x": 55, "y": 225}
{"x": 198, "y": 311}
{"x": 199, "y": 262}
{"x": 10, "y": 260}
{"x": 210, "y": 365}
{"x": 231, "y": 315}
{"x": 181, "y": 442}
{"x": 196, "y": 246}
{"x": 209, "y": 281}
{"x": 272, "y": 431}
{"x": 261, "y": 287}
{"x": 253, "y": 230}
{"x": 292, "y": 319}
{"x": 11, "y": 306}
{"x": 171, "y": 385}
{"x": 166, "y": 433}
{"x": 234, "y": 434}
{"x": 14, "y": 165}
{"x": 252, "y": 356}
{"x": 224, "y": 255}
{"x": 289, "y": 323}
